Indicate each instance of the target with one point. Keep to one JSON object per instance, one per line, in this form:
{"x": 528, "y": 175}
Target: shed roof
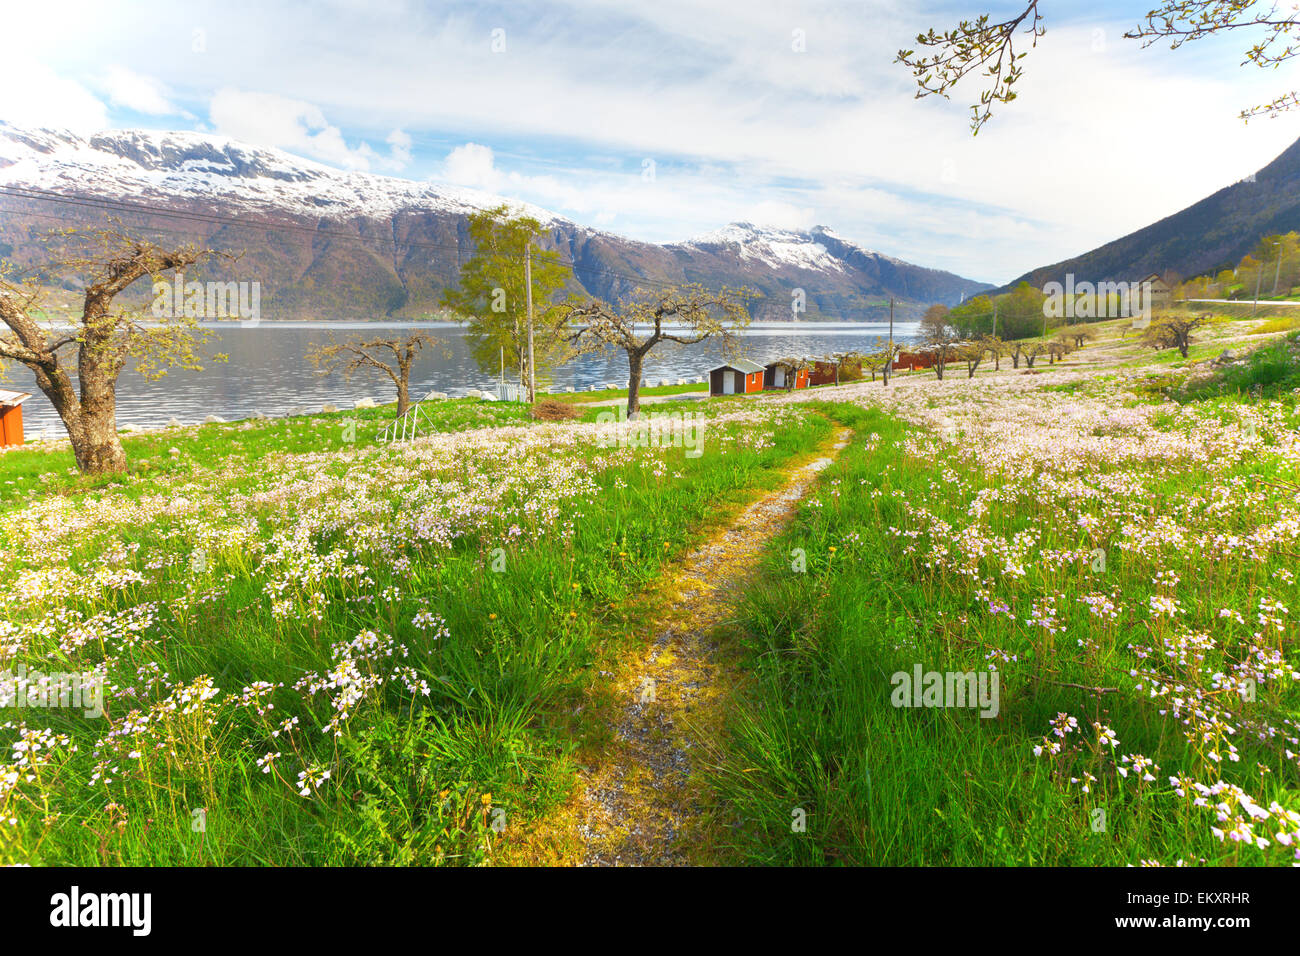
{"x": 740, "y": 365}
{"x": 9, "y": 399}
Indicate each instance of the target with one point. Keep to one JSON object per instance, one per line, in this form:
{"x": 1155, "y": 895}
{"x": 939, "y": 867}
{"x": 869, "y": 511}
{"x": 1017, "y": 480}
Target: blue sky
{"x": 663, "y": 119}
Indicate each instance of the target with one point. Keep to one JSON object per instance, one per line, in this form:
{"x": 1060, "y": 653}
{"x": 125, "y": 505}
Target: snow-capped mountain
{"x": 328, "y": 243}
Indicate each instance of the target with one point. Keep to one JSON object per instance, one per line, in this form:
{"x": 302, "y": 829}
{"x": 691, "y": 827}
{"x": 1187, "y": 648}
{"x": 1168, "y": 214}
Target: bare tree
{"x": 701, "y": 315}
{"x": 103, "y": 339}
{"x": 972, "y": 353}
{"x": 1078, "y": 334}
{"x": 881, "y": 359}
{"x": 391, "y": 357}
{"x": 1032, "y": 350}
{"x": 995, "y": 347}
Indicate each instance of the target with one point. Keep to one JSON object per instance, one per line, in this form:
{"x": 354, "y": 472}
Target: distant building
{"x": 736, "y": 378}
{"x": 913, "y": 361}
{"x": 1160, "y": 291}
{"x": 11, "y": 417}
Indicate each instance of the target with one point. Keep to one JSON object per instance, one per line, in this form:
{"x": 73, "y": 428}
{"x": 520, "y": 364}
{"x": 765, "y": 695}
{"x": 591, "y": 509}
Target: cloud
{"x": 267, "y": 119}
{"x": 400, "y": 145}
{"x": 742, "y": 121}
{"x": 473, "y": 165}
{"x": 141, "y": 94}
{"x": 31, "y": 94}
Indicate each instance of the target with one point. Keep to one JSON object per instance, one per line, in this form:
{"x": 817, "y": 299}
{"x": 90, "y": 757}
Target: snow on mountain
{"x": 206, "y": 167}
{"x": 348, "y": 244}
{"x": 777, "y": 248}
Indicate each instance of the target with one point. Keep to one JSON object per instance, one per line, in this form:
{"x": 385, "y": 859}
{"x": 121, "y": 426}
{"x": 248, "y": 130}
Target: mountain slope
{"x": 1211, "y": 234}
{"x": 325, "y": 243}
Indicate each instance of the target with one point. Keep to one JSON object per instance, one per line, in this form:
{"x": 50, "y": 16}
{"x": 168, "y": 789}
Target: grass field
{"x": 319, "y": 649}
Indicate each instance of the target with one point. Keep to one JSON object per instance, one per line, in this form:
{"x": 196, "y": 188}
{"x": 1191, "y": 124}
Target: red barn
{"x": 785, "y": 374}
{"x": 736, "y": 378}
{"x": 913, "y": 360}
{"x": 11, "y": 417}
{"x": 824, "y": 373}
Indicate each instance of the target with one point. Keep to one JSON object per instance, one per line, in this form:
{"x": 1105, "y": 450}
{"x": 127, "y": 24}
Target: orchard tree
{"x": 103, "y": 340}
{"x": 994, "y": 50}
{"x": 493, "y": 295}
{"x": 685, "y": 315}
{"x": 939, "y": 336}
{"x": 1175, "y": 331}
{"x": 390, "y": 357}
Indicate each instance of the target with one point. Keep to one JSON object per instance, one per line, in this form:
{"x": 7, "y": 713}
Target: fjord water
{"x": 268, "y": 370}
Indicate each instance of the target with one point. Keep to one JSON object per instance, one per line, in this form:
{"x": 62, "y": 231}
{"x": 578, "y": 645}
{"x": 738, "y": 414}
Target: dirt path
{"x": 641, "y": 806}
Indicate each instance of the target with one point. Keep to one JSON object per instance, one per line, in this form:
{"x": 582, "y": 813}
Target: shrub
{"x": 554, "y": 410}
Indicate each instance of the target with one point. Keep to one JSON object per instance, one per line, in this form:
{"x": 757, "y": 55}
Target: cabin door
{"x": 728, "y": 383}
{"x": 778, "y": 378}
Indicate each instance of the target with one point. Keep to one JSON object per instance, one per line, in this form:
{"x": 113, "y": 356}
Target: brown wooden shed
{"x": 736, "y": 378}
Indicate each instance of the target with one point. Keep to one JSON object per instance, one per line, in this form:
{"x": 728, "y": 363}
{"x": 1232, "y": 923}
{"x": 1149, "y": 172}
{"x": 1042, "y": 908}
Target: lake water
{"x": 268, "y": 371}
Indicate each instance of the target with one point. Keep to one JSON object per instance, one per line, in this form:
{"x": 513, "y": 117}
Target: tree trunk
{"x": 634, "y": 363}
{"x": 403, "y": 395}
{"x": 93, "y": 430}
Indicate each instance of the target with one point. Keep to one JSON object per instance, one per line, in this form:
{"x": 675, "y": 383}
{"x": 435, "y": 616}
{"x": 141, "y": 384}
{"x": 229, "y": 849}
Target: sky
{"x": 664, "y": 119}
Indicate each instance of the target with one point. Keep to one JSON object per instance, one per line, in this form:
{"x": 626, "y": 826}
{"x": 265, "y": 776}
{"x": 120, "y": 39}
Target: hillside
{"x": 1211, "y": 234}
{"x": 325, "y": 243}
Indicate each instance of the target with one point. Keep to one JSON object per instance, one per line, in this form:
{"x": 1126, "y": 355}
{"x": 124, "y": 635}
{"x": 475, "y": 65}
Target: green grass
{"x": 414, "y": 779}
{"x": 35, "y": 470}
{"x": 819, "y": 767}
{"x": 1268, "y": 372}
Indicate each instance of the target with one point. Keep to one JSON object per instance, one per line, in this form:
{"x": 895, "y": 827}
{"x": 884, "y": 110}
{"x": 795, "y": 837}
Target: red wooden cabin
{"x": 11, "y": 417}
{"x": 736, "y": 378}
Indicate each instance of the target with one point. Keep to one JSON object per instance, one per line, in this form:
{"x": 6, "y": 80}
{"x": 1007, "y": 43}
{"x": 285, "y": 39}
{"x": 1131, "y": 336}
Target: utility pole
{"x": 995, "y": 318}
{"x": 889, "y": 362}
{"x": 528, "y": 294}
{"x": 1278, "y": 274}
{"x": 1259, "y": 274}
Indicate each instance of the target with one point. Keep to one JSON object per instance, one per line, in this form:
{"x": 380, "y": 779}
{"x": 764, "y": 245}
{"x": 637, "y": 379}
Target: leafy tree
{"x": 974, "y": 316}
{"x": 700, "y": 314}
{"x": 103, "y": 339}
{"x": 1021, "y": 312}
{"x": 493, "y": 295}
{"x": 988, "y": 48}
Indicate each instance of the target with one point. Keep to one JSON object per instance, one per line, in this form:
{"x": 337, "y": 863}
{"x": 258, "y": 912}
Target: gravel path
{"x": 640, "y": 806}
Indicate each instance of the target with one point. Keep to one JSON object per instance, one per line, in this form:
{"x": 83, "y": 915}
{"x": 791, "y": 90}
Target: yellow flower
{"x": 573, "y": 614}
{"x": 492, "y": 617}
{"x": 486, "y": 799}
{"x": 833, "y": 550}
{"x": 576, "y": 586}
